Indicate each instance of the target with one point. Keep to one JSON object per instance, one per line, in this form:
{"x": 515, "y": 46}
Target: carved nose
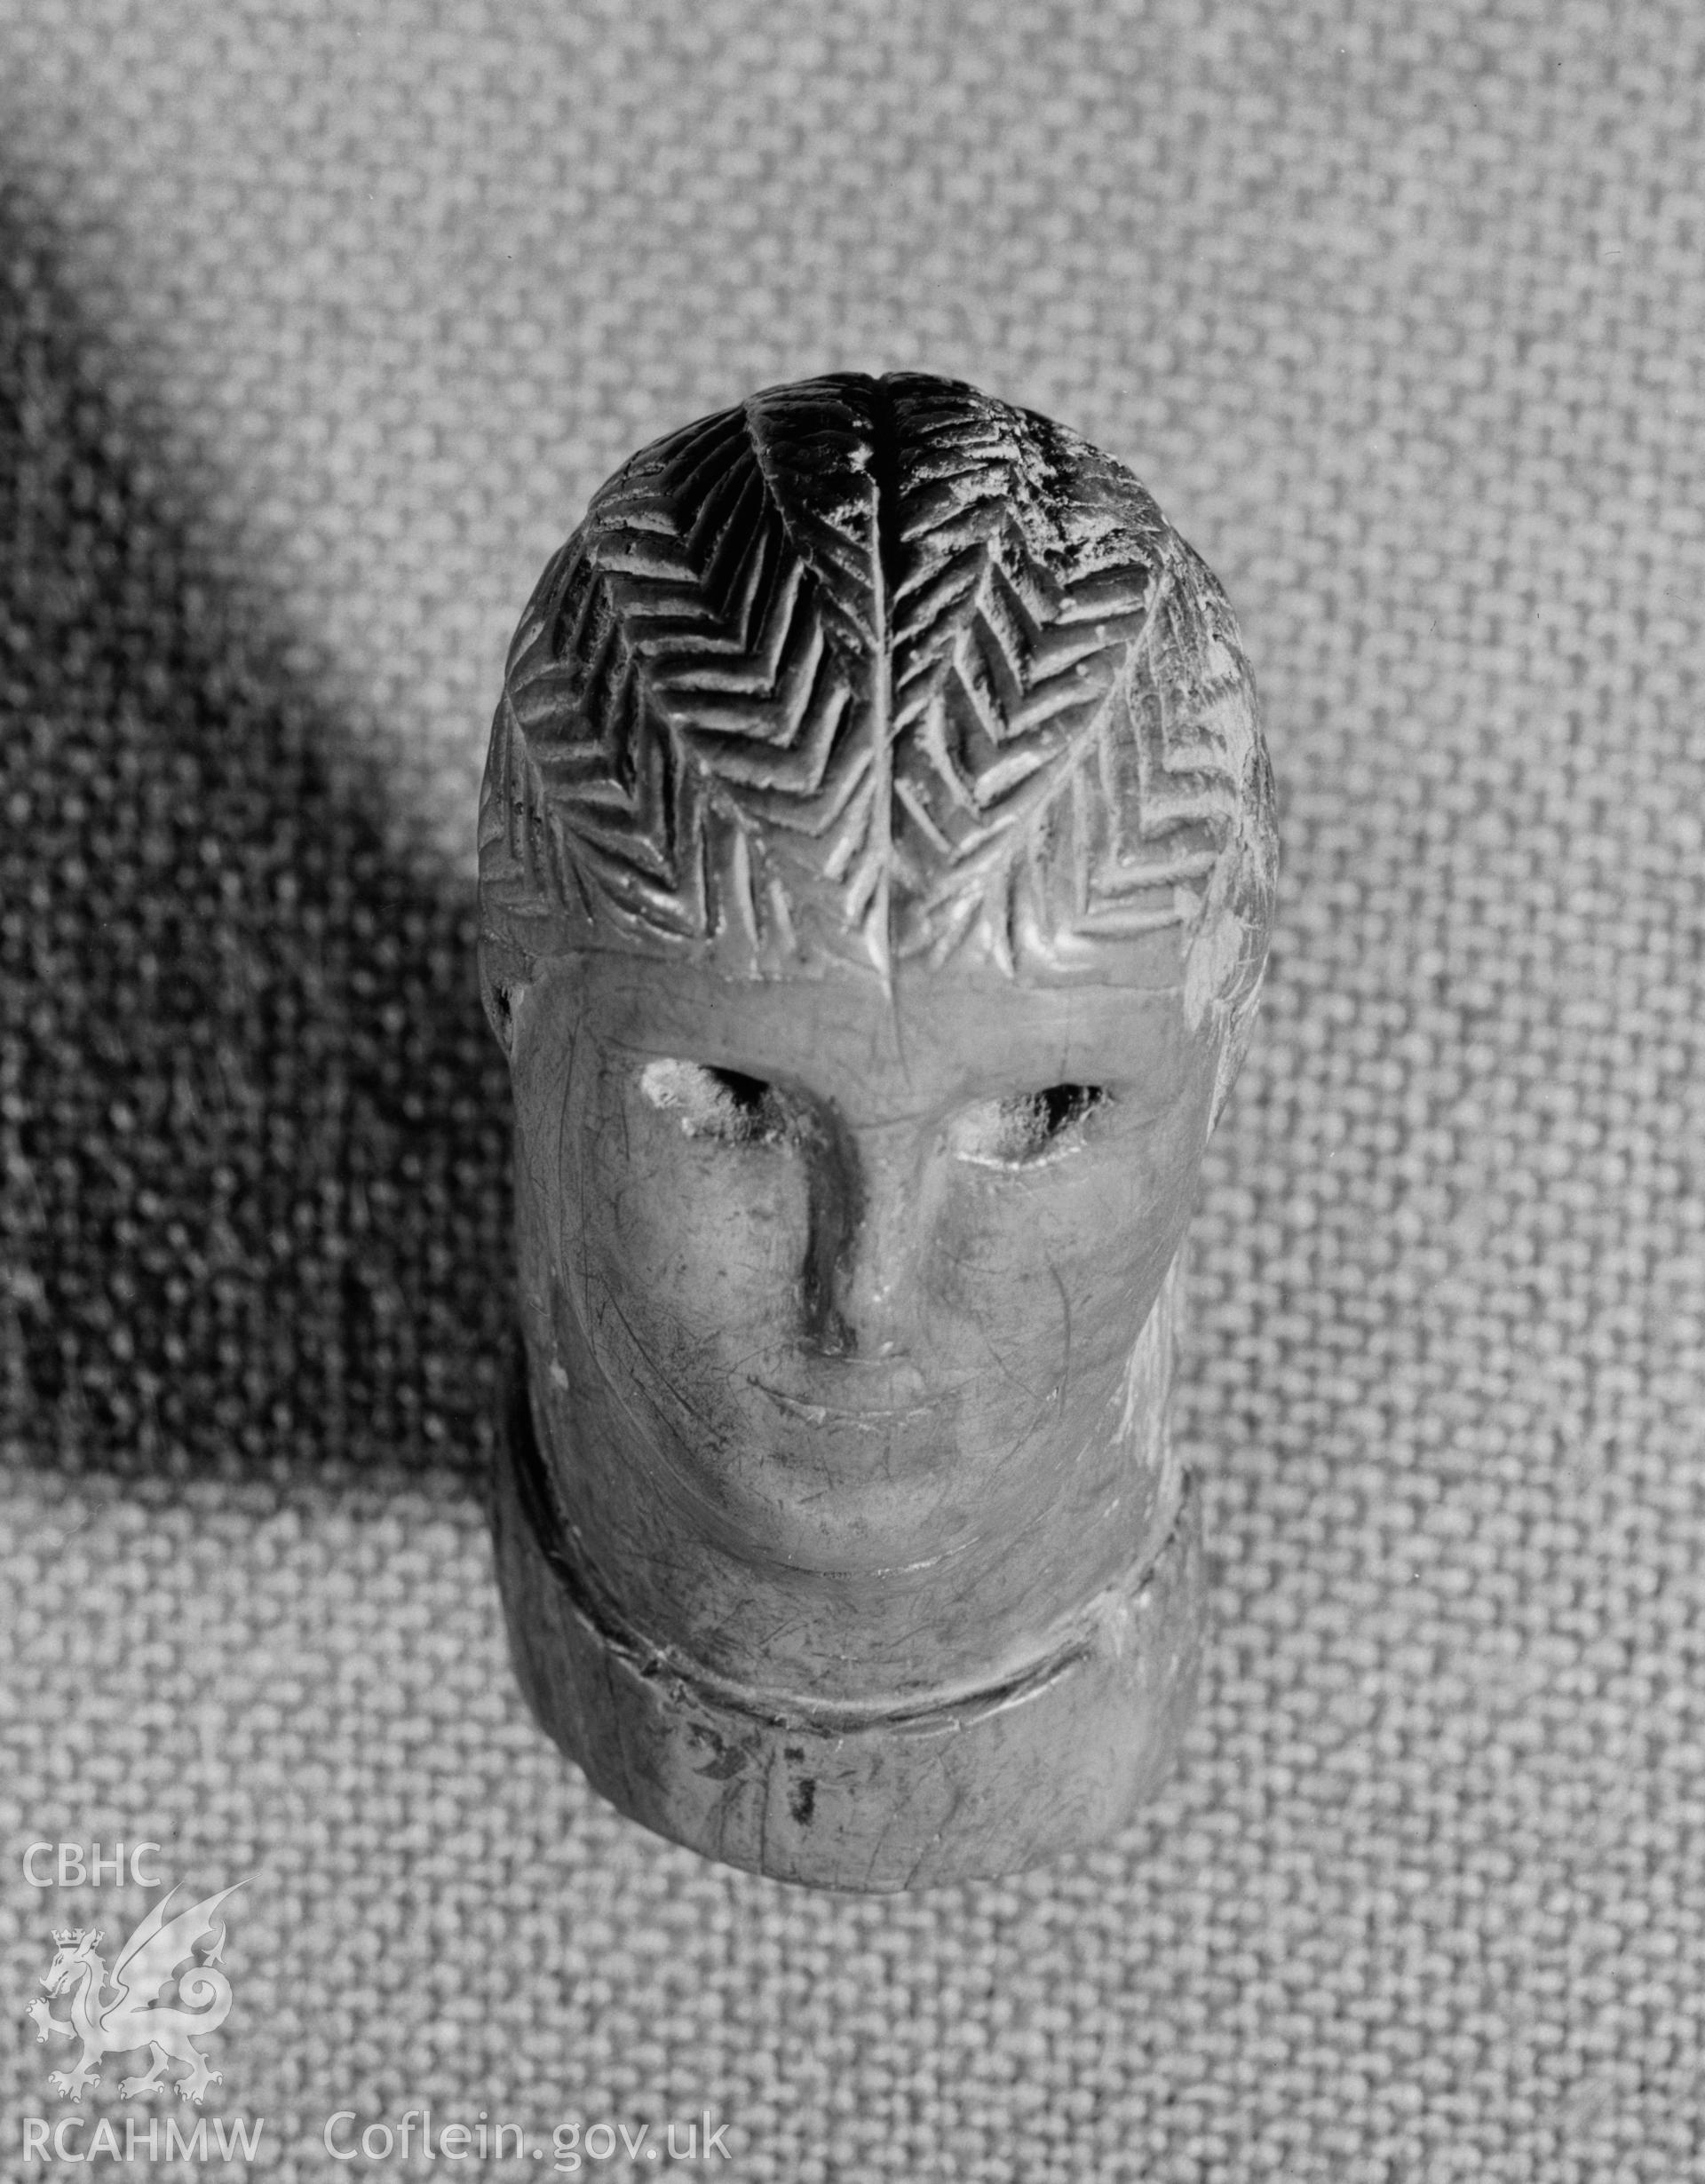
{"x": 860, "y": 1271}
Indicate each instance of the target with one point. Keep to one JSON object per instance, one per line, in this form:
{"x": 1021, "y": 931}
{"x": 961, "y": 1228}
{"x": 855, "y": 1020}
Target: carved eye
{"x": 1024, "y": 1131}
{"x": 716, "y": 1103}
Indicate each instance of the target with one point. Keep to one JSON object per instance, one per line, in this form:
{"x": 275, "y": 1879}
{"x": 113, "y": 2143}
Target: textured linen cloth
{"x": 318, "y": 323}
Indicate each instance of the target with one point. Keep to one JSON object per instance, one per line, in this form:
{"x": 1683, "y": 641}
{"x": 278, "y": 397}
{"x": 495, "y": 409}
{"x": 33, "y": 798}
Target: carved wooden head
{"x": 877, "y": 858}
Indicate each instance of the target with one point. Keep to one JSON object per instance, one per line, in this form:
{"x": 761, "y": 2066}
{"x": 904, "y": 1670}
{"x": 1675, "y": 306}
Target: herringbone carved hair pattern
{"x": 882, "y": 668}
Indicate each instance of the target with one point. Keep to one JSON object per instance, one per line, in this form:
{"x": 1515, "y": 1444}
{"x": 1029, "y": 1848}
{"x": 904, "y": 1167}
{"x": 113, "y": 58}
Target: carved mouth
{"x": 866, "y": 1418}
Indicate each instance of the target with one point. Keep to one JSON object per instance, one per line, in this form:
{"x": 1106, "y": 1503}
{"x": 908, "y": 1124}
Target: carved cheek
{"x": 1055, "y": 1270}
{"x": 1001, "y": 1255}
{"x": 977, "y": 1244}
{"x": 692, "y": 1248}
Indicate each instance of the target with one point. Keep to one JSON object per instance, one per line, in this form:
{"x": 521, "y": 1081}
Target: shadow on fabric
{"x": 254, "y": 1128}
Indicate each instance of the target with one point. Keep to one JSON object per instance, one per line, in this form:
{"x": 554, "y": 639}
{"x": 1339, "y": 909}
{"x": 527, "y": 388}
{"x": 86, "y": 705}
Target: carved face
{"x": 846, "y": 1283}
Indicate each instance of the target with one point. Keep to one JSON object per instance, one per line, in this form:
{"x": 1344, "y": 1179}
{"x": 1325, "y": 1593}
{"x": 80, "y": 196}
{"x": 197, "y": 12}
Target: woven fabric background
{"x": 318, "y": 323}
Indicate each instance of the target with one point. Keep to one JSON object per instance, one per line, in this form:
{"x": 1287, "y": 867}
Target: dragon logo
{"x": 135, "y": 2016}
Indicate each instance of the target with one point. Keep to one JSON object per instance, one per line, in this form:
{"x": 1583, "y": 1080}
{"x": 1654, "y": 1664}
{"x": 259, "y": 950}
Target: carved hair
{"x": 881, "y": 669}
